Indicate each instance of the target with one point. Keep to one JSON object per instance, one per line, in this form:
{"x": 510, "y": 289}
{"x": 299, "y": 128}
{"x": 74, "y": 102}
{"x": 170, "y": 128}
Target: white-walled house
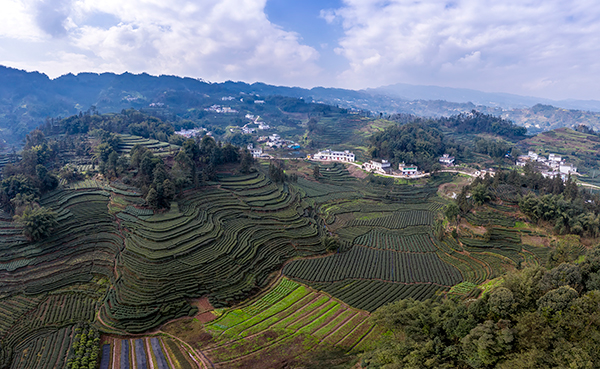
{"x": 554, "y": 157}
{"x": 567, "y": 168}
{"x": 380, "y": 167}
{"x": 532, "y": 155}
{"x": 256, "y": 152}
{"x": 408, "y": 170}
{"x": 330, "y": 155}
{"x": 447, "y": 160}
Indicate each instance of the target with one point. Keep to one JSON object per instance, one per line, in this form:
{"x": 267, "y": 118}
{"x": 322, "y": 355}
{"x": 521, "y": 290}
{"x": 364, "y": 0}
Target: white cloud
{"x": 508, "y": 45}
{"x": 212, "y": 39}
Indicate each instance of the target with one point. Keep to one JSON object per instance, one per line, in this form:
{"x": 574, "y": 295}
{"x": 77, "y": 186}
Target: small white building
{"x": 447, "y": 160}
{"x": 256, "y": 152}
{"x": 408, "y": 170}
{"x": 380, "y": 167}
{"x": 532, "y": 155}
{"x": 555, "y": 158}
{"x": 565, "y": 168}
{"x": 330, "y": 155}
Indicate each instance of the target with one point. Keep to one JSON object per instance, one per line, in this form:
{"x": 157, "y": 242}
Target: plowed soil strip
{"x": 339, "y": 334}
{"x": 269, "y": 357}
{"x": 359, "y": 332}
{"x": 310, "y": 318}
{"x": 326, "y": 319}
{"x": 335, "y": 324}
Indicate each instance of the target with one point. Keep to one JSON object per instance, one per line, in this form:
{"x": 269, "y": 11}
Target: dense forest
{"x": 412, "y": 143}
{"x": 537, "y": 318}
{"x": 420, "y": 141}
{"x": 477, "y": 122}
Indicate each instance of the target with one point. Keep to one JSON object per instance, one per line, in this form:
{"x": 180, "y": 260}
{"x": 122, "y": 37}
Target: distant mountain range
{"x": 490, "y": 99}
{"x": 28, "y": 98}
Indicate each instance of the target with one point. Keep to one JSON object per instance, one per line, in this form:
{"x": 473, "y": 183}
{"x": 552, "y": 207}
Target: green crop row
{"x": 364, "y": 263}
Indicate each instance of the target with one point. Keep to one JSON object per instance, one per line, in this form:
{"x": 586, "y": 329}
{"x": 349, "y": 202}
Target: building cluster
{"x": 220, "y": 109}
{"x": 385, "y": 167}
{"x": 275, "y": 141}
{"x": 554, "y": 165}
{"x": 189, "y": 133}
{"x": 330, "y": 155}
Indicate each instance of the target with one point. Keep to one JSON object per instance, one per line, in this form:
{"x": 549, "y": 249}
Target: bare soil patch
{"x": 357, "y": 172}
{"x": 535, "y": 241}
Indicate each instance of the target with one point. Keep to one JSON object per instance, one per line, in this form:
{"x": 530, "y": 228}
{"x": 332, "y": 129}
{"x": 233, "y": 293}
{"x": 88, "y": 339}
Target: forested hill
{"x": 28, "y": 98}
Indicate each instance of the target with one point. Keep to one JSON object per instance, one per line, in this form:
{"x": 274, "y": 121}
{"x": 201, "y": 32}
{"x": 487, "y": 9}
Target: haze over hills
{"x": 28, "y": 98}
{"x": 462, "y": 95}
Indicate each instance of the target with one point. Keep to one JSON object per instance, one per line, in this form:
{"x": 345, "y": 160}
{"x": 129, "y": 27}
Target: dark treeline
{"x": 471, "y": 122}
{"x": 477, "y": 122}
{"x": 419, "y": 143}
{"x": 537, "y": 318}
{"x": 129, "y": 121}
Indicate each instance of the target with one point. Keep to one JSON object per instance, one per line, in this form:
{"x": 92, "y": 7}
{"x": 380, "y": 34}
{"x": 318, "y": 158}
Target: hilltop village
{"x": 550, "y": 167}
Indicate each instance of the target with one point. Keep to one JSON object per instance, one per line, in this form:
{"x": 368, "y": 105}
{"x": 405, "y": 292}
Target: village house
{"x": 329, "y": 155}
{"x": 379, "y": 167}
{"x": 554, "y": 158}
{"x": 565, "y": 168}
{"x": 447, "y": 160}
{"x": 256, "y": 152}
{"x": 408, "y": 170}
{"x": 533, "y": 156}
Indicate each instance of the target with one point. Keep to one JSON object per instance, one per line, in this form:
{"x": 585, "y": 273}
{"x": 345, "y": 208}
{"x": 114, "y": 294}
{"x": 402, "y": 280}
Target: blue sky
{"x": 545, "y": 48}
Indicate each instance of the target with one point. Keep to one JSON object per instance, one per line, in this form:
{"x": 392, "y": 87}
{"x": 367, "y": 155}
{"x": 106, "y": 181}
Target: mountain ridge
{"x": 28, "y": 98}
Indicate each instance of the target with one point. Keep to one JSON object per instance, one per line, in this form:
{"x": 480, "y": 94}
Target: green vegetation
{"x": 534, "y": 318}
{"x": 114, "y": 225}
{"x": 290, "y": 323}
{"x": 37, "y": 223}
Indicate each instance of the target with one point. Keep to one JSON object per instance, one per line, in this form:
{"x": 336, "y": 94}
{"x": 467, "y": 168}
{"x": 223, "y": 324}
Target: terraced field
{"x": 117, "y": 265}
{"x": 286, "y": 325}
{"x": 223, "y": 241}
{"x": 157, "y": 147}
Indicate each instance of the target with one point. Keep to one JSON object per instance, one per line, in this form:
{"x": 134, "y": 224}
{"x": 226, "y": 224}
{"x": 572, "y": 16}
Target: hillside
{"x": 582, "y": 149}
{"x": 126, "y": 244}
{"x": 29, "y": 98}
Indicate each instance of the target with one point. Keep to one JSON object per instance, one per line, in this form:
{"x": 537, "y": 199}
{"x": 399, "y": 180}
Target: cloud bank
{"x": 540, "y": 47}
{"x": 213, "y": 39}
{"x": 546, "y": 48}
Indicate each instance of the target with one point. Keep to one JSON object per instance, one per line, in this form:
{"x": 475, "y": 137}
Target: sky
{"x": 543, "y": 48}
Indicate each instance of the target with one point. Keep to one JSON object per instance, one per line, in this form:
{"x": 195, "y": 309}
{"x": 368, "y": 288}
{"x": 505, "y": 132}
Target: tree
{"x": 452, "y": 211}
{"x": 246, "y": 161}
{"x": 316, "y": 172}
{"x": 152, "y": 198}
{"x": 330, "y": 243}
{"x": 480, "y": 194}
{"x": 37, "y": 222}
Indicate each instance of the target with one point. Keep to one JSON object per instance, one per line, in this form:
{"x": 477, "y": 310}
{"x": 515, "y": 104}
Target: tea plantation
{"x": 123, "y": 270}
